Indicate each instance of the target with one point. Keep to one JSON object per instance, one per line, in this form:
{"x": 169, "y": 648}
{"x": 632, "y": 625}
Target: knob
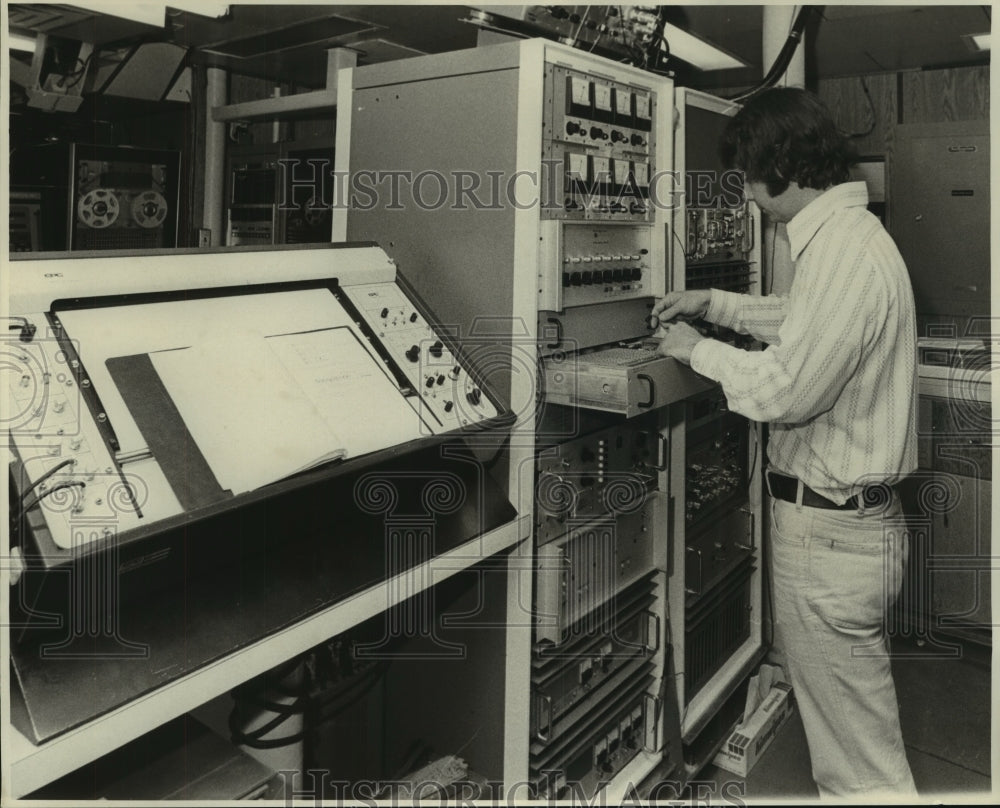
{"x": 448, "y": 406}
{"x": 616, "y": 275}
{"x": 413, "y": 317}
{"x": 607, "y": 276}
{"x": 384, "y": 313}
{"x": 474, "y": 396}
{"x": 572, "y": 127}
{"x": 436, "y": 349}
{"x": 587, "y": 278}
{"x": 455, "y": 372}
{"x": 636, "y": 274}
{"x": 578, "y": 277}
{"x": 637, "y": 140}
{"x": 440, "y": 379}
{"x": 413, "y": 352}
{"x": 617, "y": 136}
{"x": 430, "y": 381}
{"x": 596, "y": 133}
{"x": 59, "y": 406}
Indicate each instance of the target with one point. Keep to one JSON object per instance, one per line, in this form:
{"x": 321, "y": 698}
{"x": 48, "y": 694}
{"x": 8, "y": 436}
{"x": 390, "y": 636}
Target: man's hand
{"x": 680, "y": 304}
{"x": 678, "y": 340}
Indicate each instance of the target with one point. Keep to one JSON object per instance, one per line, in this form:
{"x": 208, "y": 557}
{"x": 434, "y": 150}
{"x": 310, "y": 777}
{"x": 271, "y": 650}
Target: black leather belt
{"x": 786, "y": 488}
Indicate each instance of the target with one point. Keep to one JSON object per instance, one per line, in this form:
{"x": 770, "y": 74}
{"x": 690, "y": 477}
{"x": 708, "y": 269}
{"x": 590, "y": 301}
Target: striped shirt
{"x": 838, "y": 378}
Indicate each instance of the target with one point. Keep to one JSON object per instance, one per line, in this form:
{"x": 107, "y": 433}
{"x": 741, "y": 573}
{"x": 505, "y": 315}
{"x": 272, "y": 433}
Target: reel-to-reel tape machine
{"x": 122, "y": 204}
{"x": 103, "y": 197}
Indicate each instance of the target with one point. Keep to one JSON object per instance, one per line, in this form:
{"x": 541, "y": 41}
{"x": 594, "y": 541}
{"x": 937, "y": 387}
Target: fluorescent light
{"x": 146, "y": 13}
{"x": 153, "y": 13}
{"x": 698, "y": 52}
{"x": 21, "y": 43}
{"x": 204, "y": 9}
{"x": 980, "y": 41}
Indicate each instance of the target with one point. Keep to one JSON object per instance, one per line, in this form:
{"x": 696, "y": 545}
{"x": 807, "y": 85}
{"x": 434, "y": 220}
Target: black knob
{"x": 413, "y": 317}
{"x": 448, "y": 405}
{"x": 572, "y": 127}
{"x": 440, "y": 379}
{"x": 637, "y": 208}
{"x": 455, "y": 372}
{"x": 436, "y": 349}
{"x": 577, "y": 278}
{"x": 413, "y": 352}
{"x": 616, "y": 275}
{"x": 637, "y": 140}
{"x": 587, "y": 278}
{"x": 430, "y": 381}
{"x": 474, "y": 396}
{"x": 636, "y": 274}
{"x": 385, "y": 313}
{"x": 596, "y": 133}
{"x": 607, "y": 276}
{"x": 617, "y": 136}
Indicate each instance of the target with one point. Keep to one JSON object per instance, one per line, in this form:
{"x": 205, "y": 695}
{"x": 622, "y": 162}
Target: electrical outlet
{"x": 204, "y": 237}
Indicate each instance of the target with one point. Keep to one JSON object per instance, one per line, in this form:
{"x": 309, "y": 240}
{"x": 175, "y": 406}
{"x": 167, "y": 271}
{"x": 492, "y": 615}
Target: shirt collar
{"x": 807, "y": 222}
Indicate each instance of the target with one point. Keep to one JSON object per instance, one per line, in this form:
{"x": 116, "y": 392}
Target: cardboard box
{"x": 748, "y": 739}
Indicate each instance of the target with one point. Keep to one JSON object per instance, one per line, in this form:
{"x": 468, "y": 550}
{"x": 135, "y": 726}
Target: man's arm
{"x": 816, "y": 350}
{"x": 760, "y": 317}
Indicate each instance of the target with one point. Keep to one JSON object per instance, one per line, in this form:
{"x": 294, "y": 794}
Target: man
{"x": 837, "y": 385}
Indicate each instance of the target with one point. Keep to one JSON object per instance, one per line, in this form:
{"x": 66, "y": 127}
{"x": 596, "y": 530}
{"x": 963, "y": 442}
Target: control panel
{"x": 719, "y": 233}
{"x": 581, "y": 571}
{"x": 600, "y": 474}
{"x": 445, "y": 387}
{"x": 117, "y": 402}
{"x": 599, "y": 144}
{"x": 604, "y": 263}
{"x": 69, "y": 469}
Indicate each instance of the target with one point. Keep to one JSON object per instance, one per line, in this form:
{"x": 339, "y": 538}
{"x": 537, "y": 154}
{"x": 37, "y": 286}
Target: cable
{"x": 871, "y": 106}
{"x": 784, "y": 57}
{"x": 52, "y": 490}
{"x": 44, "y": 477}
{"x": 774, "y": 237}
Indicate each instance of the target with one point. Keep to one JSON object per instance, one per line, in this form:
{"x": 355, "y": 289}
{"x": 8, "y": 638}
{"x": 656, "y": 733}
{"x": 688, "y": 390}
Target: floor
{"x": 944, "y": 698}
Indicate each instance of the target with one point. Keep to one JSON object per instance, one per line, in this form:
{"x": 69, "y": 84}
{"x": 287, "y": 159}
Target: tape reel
{"x": 149, "y": 209}
{"x": 98, "y": 208}
{"x": 315, "y": 212}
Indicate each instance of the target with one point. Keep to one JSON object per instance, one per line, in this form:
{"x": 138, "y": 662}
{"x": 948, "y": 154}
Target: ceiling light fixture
{"x": 697, "y": 52}
{"x": 154, "y": 13}
{"x": 980, "y": 41}
{"x": 21, "y": 43}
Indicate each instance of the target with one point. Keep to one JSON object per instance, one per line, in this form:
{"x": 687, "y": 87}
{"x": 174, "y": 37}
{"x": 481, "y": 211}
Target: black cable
{"x": 774, "y": 238}
{"x": 52, "y": 490}
{"x": 871, "y": 106}
{"x": 44, "y": 477}
{"x": 784, "y": 57}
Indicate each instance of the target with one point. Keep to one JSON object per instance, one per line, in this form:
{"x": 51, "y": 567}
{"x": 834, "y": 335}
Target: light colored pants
{"x": 835, "y": 575}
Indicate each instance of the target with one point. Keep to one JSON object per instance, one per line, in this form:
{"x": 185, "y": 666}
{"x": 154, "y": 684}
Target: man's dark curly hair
{"x": 787, "y": 135}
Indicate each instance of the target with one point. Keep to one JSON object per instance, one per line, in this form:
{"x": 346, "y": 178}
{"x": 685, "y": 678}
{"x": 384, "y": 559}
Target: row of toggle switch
{"x": 587, "y": 278}
{"x": 596, "y": 133}
{"x": 587, "y": 259}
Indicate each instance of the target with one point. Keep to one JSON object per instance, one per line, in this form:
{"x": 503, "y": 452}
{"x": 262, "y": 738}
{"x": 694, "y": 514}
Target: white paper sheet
{"x": 263, "y": 408}
{"x": 245, "y": 411}
{"x": 352, "y": 392}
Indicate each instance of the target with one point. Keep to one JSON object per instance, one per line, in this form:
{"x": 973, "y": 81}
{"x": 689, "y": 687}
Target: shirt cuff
{"x": 724, "y": 308}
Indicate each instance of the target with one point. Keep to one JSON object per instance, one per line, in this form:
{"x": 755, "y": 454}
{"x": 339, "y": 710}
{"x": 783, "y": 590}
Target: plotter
{"x": 263, "y": 431}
